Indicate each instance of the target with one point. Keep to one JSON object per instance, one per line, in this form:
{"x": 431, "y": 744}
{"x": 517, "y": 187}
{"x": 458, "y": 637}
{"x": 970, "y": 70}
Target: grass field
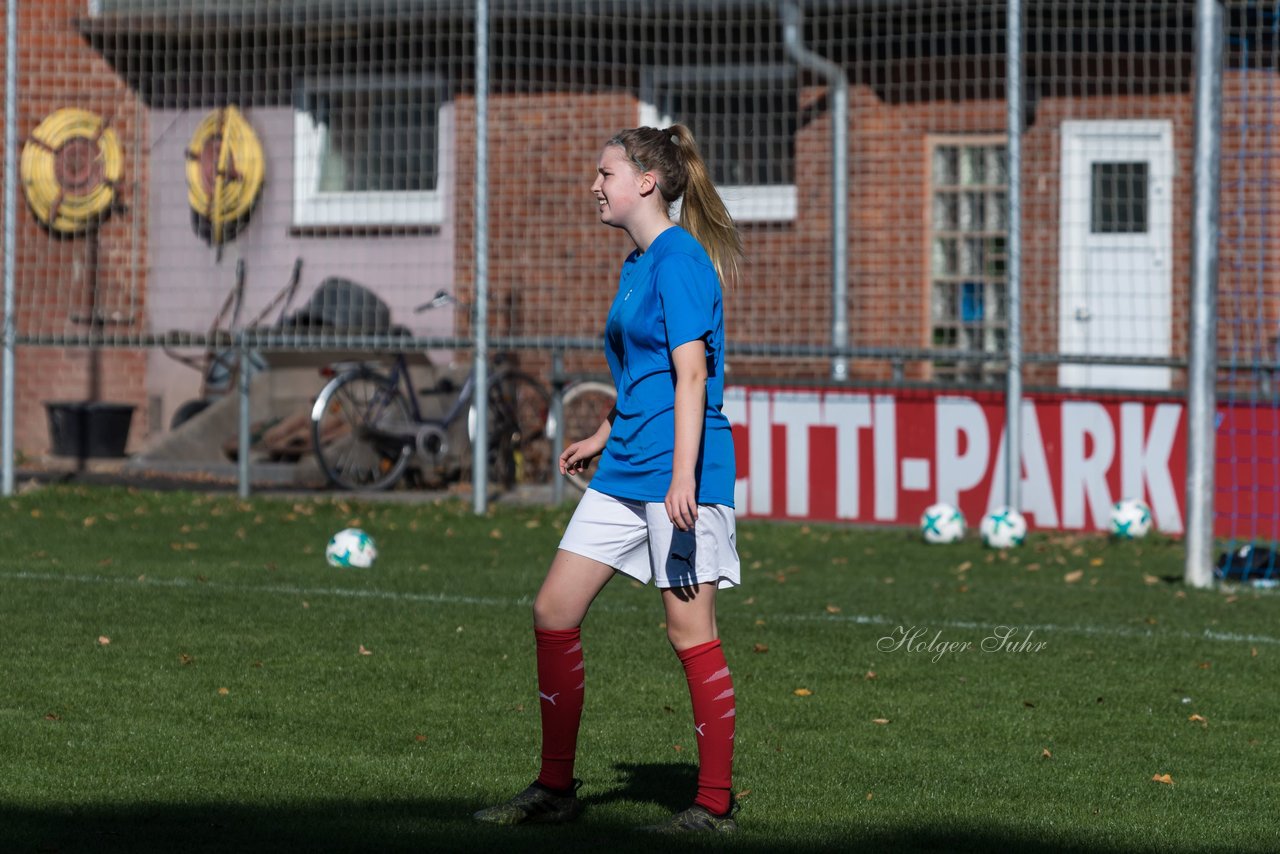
{"x": 184, "y": 673}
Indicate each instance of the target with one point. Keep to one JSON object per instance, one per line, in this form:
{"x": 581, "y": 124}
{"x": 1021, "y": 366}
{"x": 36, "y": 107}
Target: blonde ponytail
{"x": 683, "y": 176}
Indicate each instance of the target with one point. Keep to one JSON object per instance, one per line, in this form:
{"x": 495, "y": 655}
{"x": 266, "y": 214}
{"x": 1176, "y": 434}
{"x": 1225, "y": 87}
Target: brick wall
{"x": 553, "y": 267}
{"x": 55, "y": 275}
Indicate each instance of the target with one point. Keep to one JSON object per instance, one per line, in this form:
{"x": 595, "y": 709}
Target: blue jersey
{"x": 667, "y": 296}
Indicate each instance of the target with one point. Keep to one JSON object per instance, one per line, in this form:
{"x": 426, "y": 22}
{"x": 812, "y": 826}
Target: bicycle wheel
{"x": 362, "y": 430}
{"x": 586, "y": 405}
{"x": 519, "y": 447}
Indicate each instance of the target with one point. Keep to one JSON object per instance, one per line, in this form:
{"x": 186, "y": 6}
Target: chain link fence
{"x": 206, "y": 187}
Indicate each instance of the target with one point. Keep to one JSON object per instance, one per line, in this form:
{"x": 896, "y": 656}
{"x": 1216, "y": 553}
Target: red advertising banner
{"x": 883, "y": 456}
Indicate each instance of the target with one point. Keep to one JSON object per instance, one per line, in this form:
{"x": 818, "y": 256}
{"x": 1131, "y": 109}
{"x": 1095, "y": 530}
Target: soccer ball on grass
{"x": 351, "y": 547}
{"x": 1130, "y": 519}
{"x": 1003, "y": 528}
{"x": 942, "y": 523}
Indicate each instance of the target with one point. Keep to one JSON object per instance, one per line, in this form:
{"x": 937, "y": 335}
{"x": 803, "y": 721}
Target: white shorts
{"x": 637, "y": 538}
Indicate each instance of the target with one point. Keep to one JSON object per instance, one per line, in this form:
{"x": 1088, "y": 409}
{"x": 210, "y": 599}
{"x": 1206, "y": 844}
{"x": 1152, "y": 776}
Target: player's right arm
{"x": 576, "y": 457}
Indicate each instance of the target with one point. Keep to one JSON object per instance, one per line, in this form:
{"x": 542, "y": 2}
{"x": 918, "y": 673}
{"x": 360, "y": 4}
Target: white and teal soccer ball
{"x": 1130, "y": 519}
{"x": 942, "y": 523}
{"x": 1003, "y": 528}
{"x": 351, "y": 547}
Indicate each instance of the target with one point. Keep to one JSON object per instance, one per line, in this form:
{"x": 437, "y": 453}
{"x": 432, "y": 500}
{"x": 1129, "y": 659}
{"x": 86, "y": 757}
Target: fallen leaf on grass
{"x": 495, "y": 534}
{"x": 1162, "y": 778}
{"x": 871, "y": 674}
{"x": 1253, "y": 652}
{"x": 1205, "y": 665}
{"x": 881, "y": 721}
{"x": 364, "y": 651}
{"x": 759, "y": 648}
{"x": 677, "y": 748}
{"x": 868, "y": 796}
{"x": 833, "y": 609}
{"x": 1199, "y": 719}
{"x": 419, "y": 738}
{"x": 185, "y": 659}
{"x": 52, "y": 717}
{"x": 743, "y": 794}
{"x": 103, "y": 640}
{"x": 1073, "y": 577}
{"x": 1045, "y": 754}
{"x": 222, "y": 692}
{"x": 802, "y": 692}
{"x": 1097, "y": 561}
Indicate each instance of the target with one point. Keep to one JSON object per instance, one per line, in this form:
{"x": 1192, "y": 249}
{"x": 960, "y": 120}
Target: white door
{"x": 1115, "y": 277}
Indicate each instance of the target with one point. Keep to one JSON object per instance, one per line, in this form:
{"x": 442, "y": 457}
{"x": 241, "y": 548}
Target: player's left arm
{"x": 690, "y": 361}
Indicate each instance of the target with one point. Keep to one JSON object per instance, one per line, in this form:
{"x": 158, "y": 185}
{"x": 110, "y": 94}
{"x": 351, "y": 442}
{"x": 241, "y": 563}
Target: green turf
{"x": 232, "y": 708}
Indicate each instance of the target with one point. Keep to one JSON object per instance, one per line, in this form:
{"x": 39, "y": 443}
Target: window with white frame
{"x": 367, "y": 151}
{"x": 969, "y": 229}
{"x": 744, "y": 119}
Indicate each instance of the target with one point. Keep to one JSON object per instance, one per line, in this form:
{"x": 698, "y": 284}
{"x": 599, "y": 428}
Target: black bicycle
{"x": 367, "y": 425}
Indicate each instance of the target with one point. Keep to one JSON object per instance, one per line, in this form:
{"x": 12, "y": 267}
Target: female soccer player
{"x": 661, "y": 502}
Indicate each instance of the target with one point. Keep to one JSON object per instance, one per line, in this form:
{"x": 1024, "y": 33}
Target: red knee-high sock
{"x": 711, "y": 689}
{"x": 560, "y": 681}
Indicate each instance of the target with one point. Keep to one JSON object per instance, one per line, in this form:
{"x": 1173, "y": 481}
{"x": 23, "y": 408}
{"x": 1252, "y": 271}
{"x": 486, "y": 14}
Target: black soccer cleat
{"x": 698, "y": 819}
{"x": 536, "y": 804}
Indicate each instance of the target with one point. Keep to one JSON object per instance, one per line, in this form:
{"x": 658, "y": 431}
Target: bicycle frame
{"x": 400, "y": 378}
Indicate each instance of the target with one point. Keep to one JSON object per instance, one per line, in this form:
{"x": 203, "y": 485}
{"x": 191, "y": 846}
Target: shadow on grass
{"x": 609, "y": 823}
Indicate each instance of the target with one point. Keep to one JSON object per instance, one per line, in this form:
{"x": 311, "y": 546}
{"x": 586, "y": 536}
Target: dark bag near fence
{"x": 341, "y": 305}
{"x": 1248, "y": 563}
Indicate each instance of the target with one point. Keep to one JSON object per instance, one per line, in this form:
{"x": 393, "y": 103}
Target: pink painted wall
{"x": 188, "y": 280}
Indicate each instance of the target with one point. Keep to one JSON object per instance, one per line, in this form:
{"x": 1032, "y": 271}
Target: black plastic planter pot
{"x": 83, "y": 430}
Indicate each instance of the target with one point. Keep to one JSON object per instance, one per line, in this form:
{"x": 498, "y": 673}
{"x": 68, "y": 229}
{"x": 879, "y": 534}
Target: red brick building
{"x": 1107, "y": 153}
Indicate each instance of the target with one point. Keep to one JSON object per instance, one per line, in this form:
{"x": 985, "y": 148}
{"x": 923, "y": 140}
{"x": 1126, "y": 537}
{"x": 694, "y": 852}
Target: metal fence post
{"x": 1202, "y": 371}
{"x": 557, "y": 418}
{"x": 246, "y": 378}
{"x": 9, "y": 332}
{"x": 480, "y": 319}
{"x": 1013, "y": 271}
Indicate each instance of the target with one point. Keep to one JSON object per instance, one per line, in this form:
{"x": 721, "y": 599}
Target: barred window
{"x": 967, "y": 271}
{"x": 368, "y": 151}
{"x": 745, "y": 120}
{"x": 1119, "y": 198}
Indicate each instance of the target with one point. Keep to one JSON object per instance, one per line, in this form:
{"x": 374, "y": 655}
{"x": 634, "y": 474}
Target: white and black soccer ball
{"x": 1130, "y": 519}
{"x": 942, "y": 523}
{"x": 1003, "y": 528}
{"x": 351, "y": 547}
